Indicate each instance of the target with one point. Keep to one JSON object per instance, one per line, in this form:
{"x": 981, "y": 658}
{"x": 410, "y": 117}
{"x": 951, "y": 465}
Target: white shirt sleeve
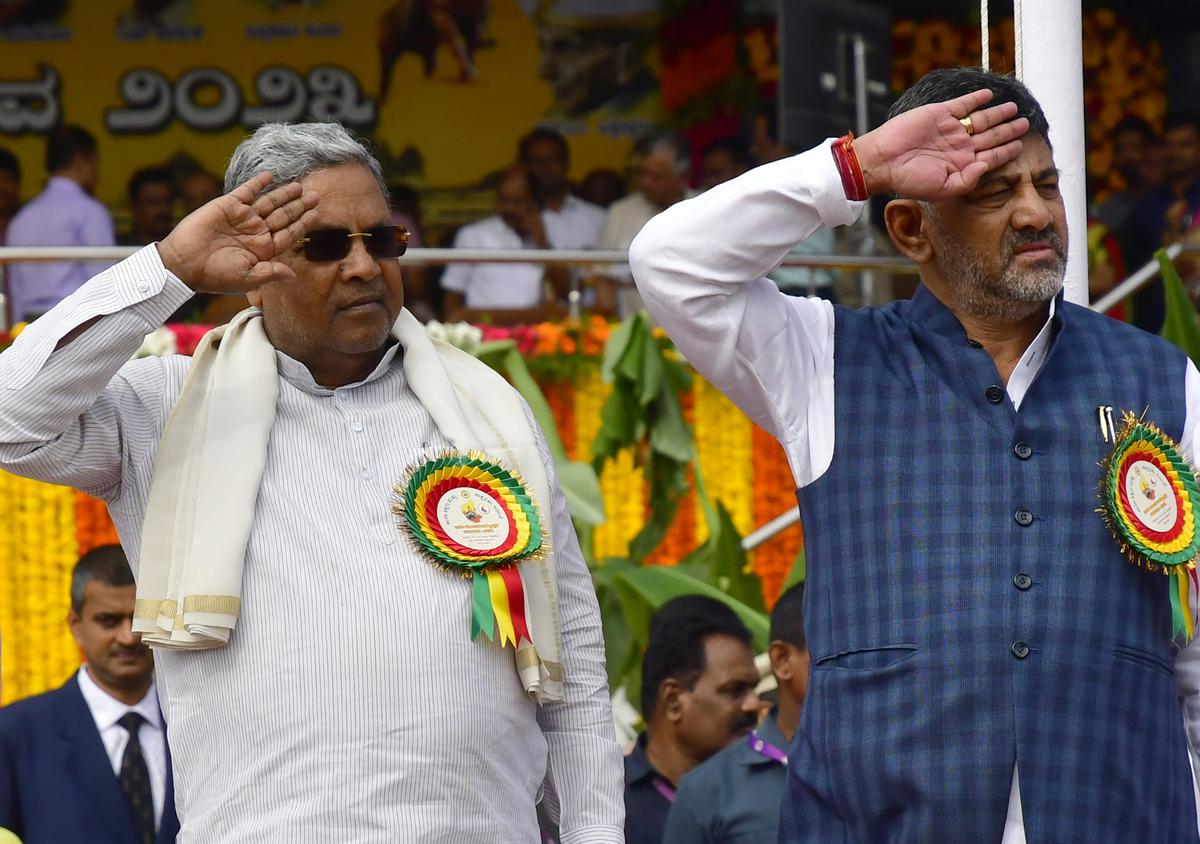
{"x": 1187, "y": 661}
{"x": 700, "y": 267}
{"x": 65, "y": 408}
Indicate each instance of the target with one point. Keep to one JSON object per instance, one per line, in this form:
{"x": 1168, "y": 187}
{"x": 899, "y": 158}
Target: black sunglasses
{"x": 334, "y": 244}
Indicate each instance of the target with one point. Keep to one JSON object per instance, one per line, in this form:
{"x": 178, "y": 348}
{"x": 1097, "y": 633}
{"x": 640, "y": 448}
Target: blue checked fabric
{"x": 950, "y": 634}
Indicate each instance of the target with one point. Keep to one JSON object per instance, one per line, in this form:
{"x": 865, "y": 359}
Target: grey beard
{"x": 1012, "y": 296}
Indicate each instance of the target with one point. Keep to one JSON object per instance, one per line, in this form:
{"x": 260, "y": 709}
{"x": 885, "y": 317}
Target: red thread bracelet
{"x": 846, "y": 159}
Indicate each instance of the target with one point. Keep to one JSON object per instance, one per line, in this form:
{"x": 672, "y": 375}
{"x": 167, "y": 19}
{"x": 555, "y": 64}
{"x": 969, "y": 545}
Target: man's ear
{"x": 781, "y": 665}
{"x": 906, "y": 224}
{"x": 670, "y": 698}
{"x": 74, "y": 620}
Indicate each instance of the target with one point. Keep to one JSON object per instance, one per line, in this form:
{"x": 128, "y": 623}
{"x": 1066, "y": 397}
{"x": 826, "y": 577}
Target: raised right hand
{"x": 926, "y": 153}
{"x": 230, "y": 245}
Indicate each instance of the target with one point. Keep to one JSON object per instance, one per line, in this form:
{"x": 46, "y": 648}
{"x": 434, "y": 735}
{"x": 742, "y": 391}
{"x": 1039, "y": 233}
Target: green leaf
{"x": 619, "y": 420}
{"x": 629, "y": 366}
{"x": 615, "y": 348}
{"x": 652, "y": 375}
{"x": 670, "y": 435}
{"x": 721, "y": 561}
{"x": 1181, "y": 326}
{"x": 659, "y": 584}
{"x": 581, "y": 488}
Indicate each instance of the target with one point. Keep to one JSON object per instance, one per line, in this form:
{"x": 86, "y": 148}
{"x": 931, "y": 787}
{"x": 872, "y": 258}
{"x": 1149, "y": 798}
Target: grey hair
{"x": 669, "y": 143}
{"x": 291, "y": 151}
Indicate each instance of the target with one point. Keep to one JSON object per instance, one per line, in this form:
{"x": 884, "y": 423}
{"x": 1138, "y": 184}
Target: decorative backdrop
{"x": 44, "y": 529}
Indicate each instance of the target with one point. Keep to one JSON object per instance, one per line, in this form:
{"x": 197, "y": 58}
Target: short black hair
{"x": 675, "y": 648}
{"x": 149, "y": 176}
{"x": 949, "y": 83}
{"x": 9, "y": 162}
{"x": 543, "y": 133}
{"x": 1132, "y": 124}
{"x": 735, "y": 148}
{"x": 64, "y": 143}
{"x": 106, "y": 564}
{"x": 1180, "y": 120}
{"x": 787, "y": 618}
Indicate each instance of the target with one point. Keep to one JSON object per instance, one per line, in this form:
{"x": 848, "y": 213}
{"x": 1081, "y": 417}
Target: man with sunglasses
{"x": 255, "y": 483}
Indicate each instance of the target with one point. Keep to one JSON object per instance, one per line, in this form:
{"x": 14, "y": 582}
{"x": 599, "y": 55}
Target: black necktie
{"x": 135, "y": 779}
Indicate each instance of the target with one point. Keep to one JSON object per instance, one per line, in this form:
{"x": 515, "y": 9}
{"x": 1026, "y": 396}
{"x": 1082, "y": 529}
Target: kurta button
{"x": 1019, "y": 649}
{"x": 356, "y": 426}
{"x": 994, "y": 394}
{"x": 1024, "y": 517}
{"x": 1023, "y": 451}
{"x": 1022, "y": 581}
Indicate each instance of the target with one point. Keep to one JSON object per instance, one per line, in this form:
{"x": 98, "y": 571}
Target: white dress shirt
{"x": 107, "y": 711}
{"x": 701, "y": 267}
{"x": 351, "y": 704}
{"x": 494, "y": 286}
{"x": 576, "y": 225}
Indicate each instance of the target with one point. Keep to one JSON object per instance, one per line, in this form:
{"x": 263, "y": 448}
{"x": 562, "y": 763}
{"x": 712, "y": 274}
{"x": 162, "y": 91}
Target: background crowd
{"x": 536, "y": 206}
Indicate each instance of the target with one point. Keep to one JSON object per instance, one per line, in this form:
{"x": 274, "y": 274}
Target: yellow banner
{"x": 444, "y": 87}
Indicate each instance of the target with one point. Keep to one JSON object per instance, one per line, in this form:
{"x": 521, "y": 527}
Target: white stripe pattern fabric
{"x": 347, "y": 723}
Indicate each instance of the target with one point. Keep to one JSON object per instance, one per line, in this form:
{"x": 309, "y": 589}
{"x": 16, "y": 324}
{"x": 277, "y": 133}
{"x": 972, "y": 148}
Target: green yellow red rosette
{"x": 467, "y": 513}
{"x": 1151, "y": 498}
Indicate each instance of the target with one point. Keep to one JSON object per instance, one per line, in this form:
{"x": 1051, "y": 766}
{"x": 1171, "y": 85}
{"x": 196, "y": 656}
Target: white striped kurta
{"x": 350, "y": 704}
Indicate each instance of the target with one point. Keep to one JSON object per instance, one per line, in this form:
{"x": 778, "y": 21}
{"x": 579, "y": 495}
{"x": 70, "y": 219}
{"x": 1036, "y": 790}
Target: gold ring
{"x": 967, "y": 124}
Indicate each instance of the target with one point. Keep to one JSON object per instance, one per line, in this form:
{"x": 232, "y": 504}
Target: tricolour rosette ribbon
{"x": 469, "y": 515}
{"x": 1150, "y": 497}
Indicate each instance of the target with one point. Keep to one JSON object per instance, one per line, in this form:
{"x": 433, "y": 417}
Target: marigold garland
{"x": 723, "y": 451}
{"x": 774, "y": 494}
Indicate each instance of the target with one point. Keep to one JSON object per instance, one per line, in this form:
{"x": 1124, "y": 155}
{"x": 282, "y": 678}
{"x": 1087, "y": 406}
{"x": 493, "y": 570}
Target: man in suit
{"x": 88, "y": 762}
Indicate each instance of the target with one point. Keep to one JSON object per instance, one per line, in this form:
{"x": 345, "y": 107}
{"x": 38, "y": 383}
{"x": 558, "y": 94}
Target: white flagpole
{"x": 1050, "y": 44}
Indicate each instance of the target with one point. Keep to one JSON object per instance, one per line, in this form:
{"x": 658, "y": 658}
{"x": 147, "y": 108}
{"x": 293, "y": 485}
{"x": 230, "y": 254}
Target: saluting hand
{"x": 927, "y": 153}
{"x": 230, "y": 245}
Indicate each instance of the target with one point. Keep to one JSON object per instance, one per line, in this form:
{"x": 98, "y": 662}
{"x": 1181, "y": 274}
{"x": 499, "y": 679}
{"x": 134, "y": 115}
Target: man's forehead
{"x": 725, "y": 654}
{"x": 347, "y": 198}
{"x": 103, "y": 597}
{"x": 1035, "y": 159}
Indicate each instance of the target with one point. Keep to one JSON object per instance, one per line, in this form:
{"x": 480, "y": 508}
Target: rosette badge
{"x": 468, "y": 514}
{"x": 1150, "y": 500}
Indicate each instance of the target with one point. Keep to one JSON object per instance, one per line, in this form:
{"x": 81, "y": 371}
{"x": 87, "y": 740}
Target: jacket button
{"x": 1023, "y": 451}
{"x": 1019, "y": 649}
{"x": 994, "y": 394}
{"x": 1022, "y": 581}
{"x": 1024, "y": 517}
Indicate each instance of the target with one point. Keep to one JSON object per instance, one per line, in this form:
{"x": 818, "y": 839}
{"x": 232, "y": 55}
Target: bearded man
{"x": 987, "y": 665}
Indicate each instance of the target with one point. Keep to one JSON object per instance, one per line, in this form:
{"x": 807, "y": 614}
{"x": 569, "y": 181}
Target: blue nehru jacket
{"x": 967, "y": 608}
